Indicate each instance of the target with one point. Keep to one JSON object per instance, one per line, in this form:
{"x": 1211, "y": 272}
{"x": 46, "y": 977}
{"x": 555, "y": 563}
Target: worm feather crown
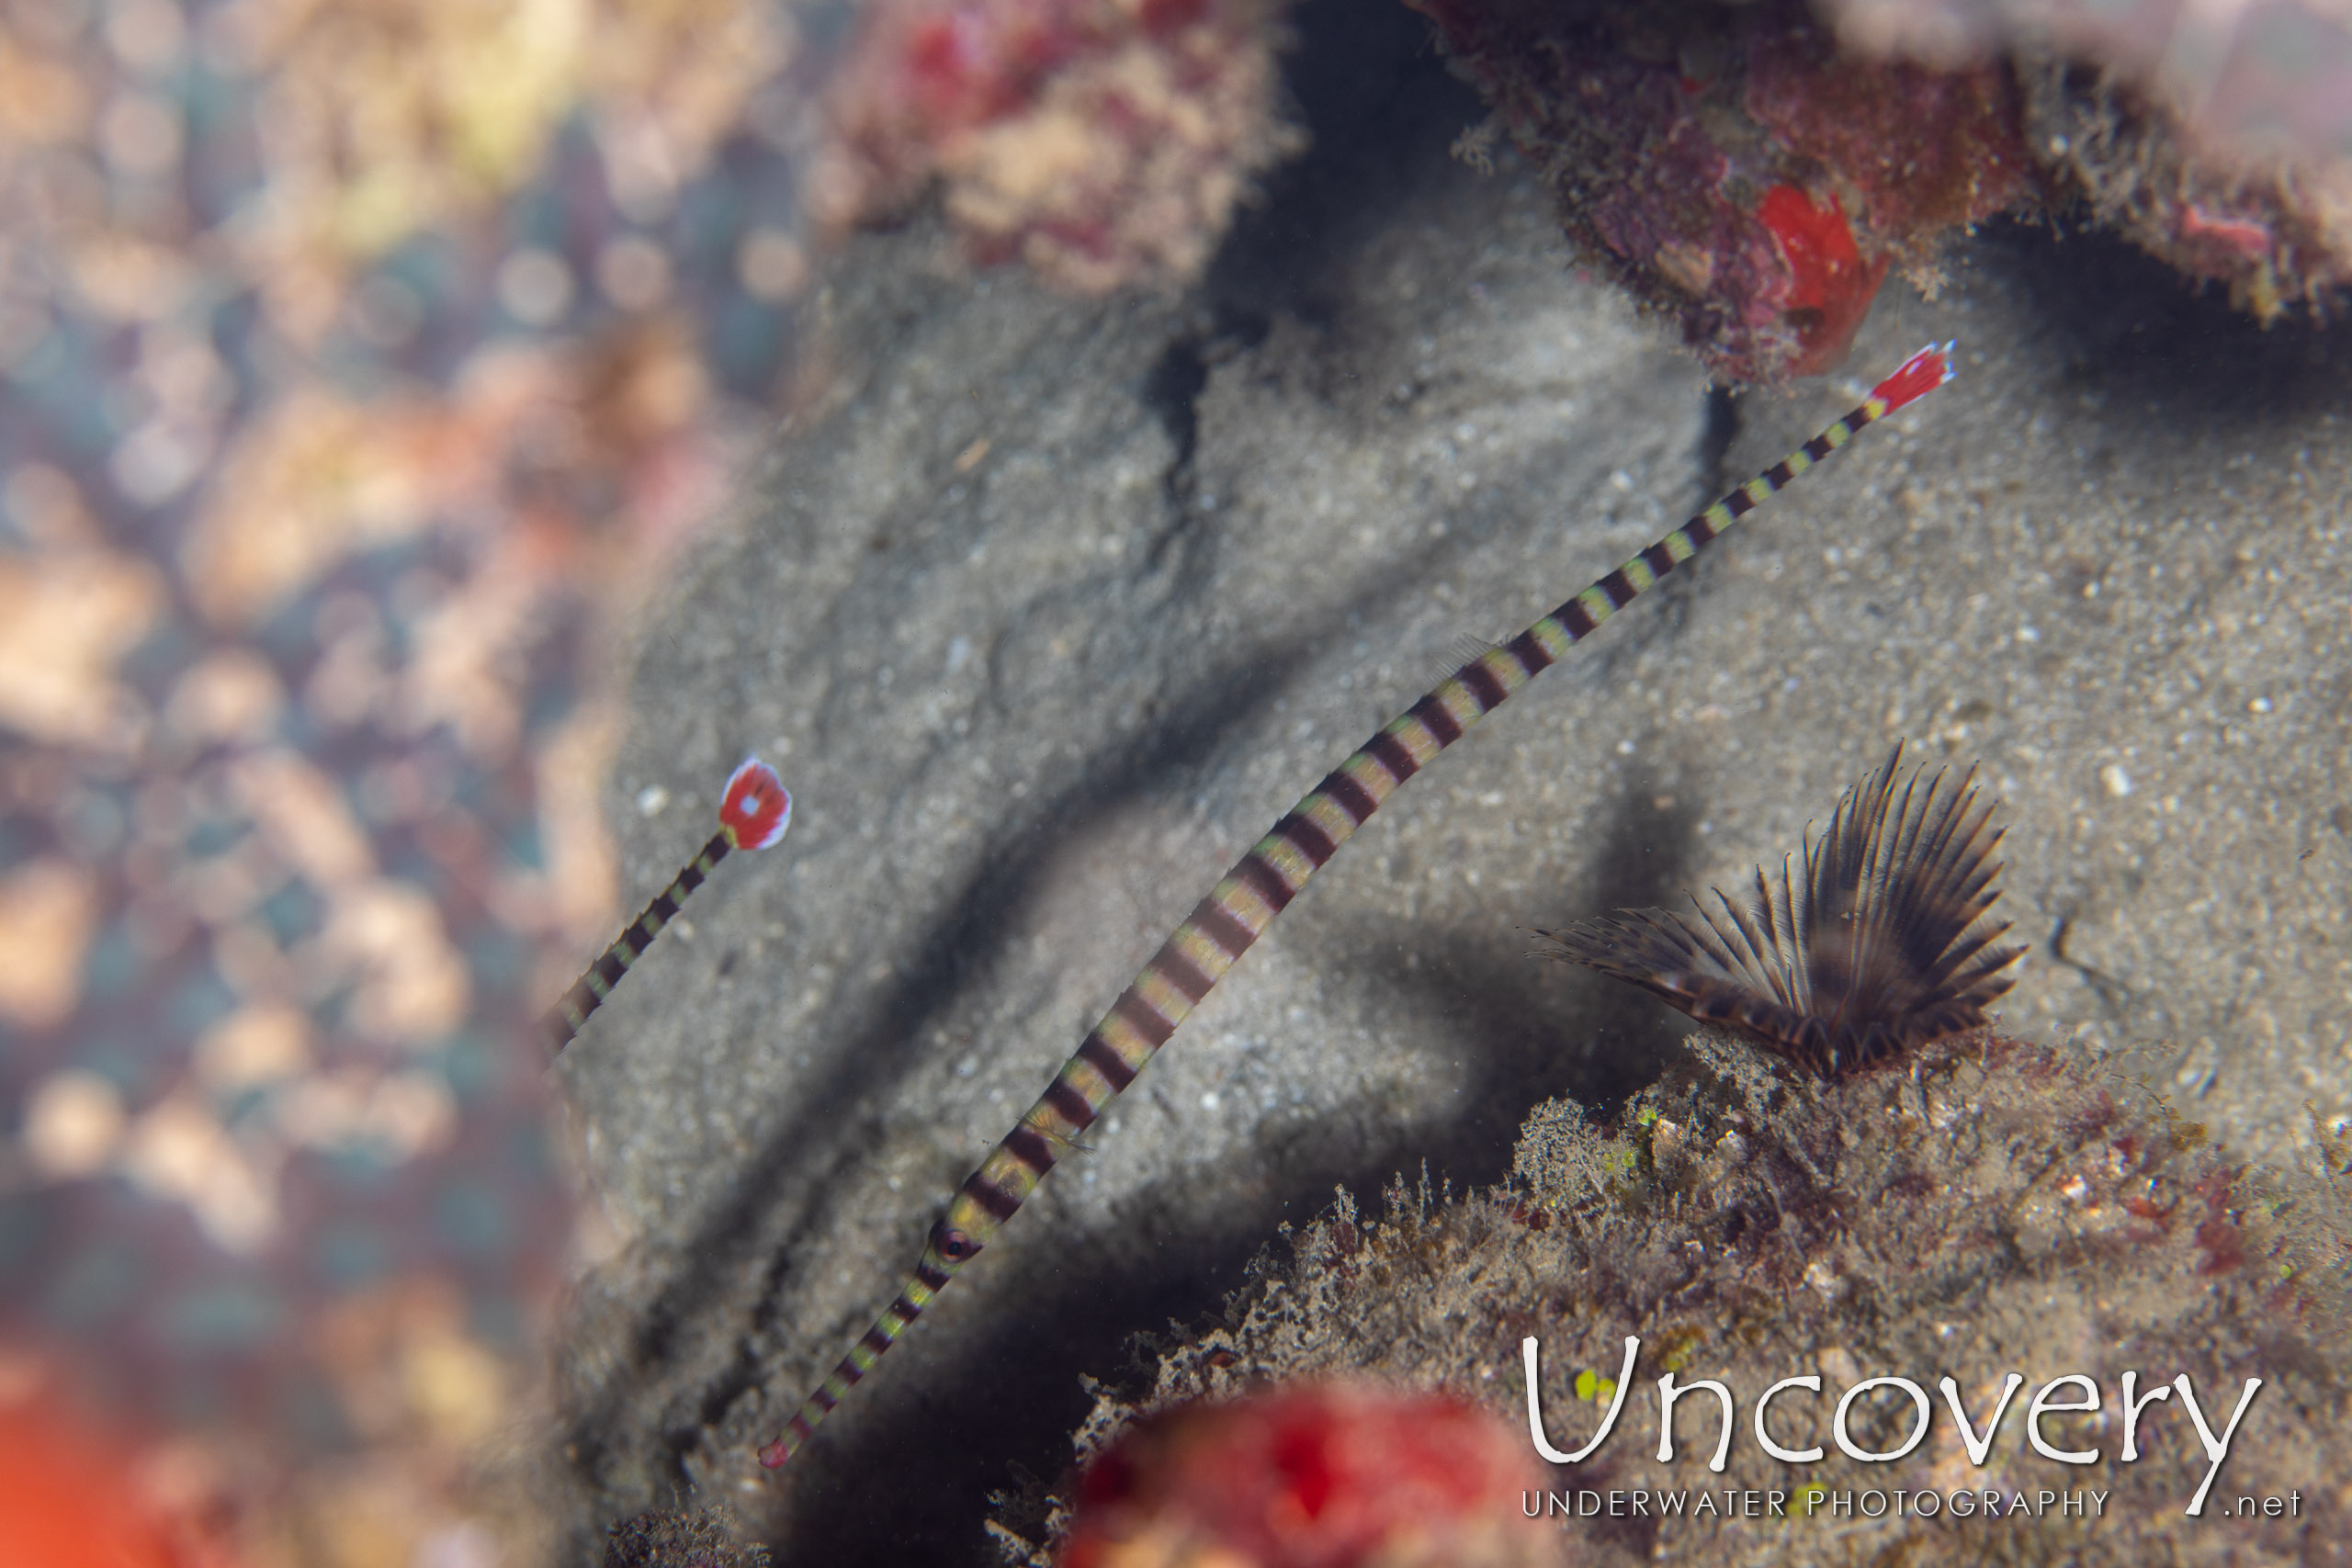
{"x": 1882, "y": 941}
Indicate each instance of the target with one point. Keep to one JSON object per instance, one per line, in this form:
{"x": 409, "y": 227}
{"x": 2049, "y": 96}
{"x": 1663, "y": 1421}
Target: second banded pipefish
{"x": 1238, "y": 910}
{"x": 754, "y": 812}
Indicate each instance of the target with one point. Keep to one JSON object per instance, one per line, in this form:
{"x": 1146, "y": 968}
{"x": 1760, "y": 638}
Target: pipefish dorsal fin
{"x": 1465, "y": 649}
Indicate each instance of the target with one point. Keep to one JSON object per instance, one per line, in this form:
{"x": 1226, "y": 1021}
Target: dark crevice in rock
{"x": 1719, "y": 428}
{"x": 1379, "y": 107}
{"x": 1173, "y": 393}
{"x": 1172, "y": 390}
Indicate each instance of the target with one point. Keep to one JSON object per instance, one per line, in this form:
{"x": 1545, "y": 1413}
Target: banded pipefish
{"x": 754, "y": 811}
{"x": 1883, "y": 943}
{"x": 1240, "y": 907}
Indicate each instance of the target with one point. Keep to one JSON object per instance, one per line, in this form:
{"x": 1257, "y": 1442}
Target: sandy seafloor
{"x": 1046, "y": 609}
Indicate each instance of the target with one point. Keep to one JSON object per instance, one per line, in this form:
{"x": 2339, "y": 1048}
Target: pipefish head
{"x": 950, "y": 1246}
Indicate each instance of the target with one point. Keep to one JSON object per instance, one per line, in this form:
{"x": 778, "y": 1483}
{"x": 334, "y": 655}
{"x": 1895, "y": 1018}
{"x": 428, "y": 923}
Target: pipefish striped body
{"x": 754, "y": 811}
{"x": 1240, "y": 909}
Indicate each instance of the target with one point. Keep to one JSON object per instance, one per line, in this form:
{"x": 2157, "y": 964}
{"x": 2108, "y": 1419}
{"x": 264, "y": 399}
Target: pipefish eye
{"x": 951, "y": 1244}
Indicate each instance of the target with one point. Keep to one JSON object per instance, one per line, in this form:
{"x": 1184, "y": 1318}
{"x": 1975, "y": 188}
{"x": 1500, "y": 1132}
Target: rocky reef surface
{"x": 1047, "y": 607}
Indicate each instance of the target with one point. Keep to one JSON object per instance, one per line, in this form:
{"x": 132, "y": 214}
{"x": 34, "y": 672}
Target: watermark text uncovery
{"x": 2074, "y": 1393}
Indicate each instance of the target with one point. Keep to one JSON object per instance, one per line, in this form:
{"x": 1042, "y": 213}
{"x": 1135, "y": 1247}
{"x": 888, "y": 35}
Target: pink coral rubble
{"x": 1101, "y": 141}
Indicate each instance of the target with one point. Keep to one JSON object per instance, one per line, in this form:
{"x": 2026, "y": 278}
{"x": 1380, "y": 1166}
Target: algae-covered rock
{"x": 1749, "y": 173}
{"x": 1995, "y": 1208}
{"x": 2275, "y": 234}
{"x": 694, "y": 1538}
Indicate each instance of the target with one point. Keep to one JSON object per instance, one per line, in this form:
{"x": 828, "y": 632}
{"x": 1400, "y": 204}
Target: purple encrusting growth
{"x": 1732, "y": 171}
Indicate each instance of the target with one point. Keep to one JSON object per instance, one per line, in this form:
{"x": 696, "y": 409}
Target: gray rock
{"x": 1046, "y": 609}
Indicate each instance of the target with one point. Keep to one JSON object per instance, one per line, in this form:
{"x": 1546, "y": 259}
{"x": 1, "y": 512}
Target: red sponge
{"x": 1315, "y": 1476}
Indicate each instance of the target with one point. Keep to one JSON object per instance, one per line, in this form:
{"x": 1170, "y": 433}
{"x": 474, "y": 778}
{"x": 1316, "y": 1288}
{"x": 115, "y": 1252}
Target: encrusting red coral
{"x": 1830, "y": 287}
{"x": 1313, "y": 1475}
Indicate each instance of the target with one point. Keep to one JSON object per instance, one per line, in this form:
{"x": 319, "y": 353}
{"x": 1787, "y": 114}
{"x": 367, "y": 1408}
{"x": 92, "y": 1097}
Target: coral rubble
{"x": 2001, "y": 1207}
{"x": 1101, "y": 141}
{"x": 2218, "y": 139}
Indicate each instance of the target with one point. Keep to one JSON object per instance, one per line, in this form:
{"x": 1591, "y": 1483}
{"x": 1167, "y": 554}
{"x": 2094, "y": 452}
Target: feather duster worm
{"x": 1881, "y": 944}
